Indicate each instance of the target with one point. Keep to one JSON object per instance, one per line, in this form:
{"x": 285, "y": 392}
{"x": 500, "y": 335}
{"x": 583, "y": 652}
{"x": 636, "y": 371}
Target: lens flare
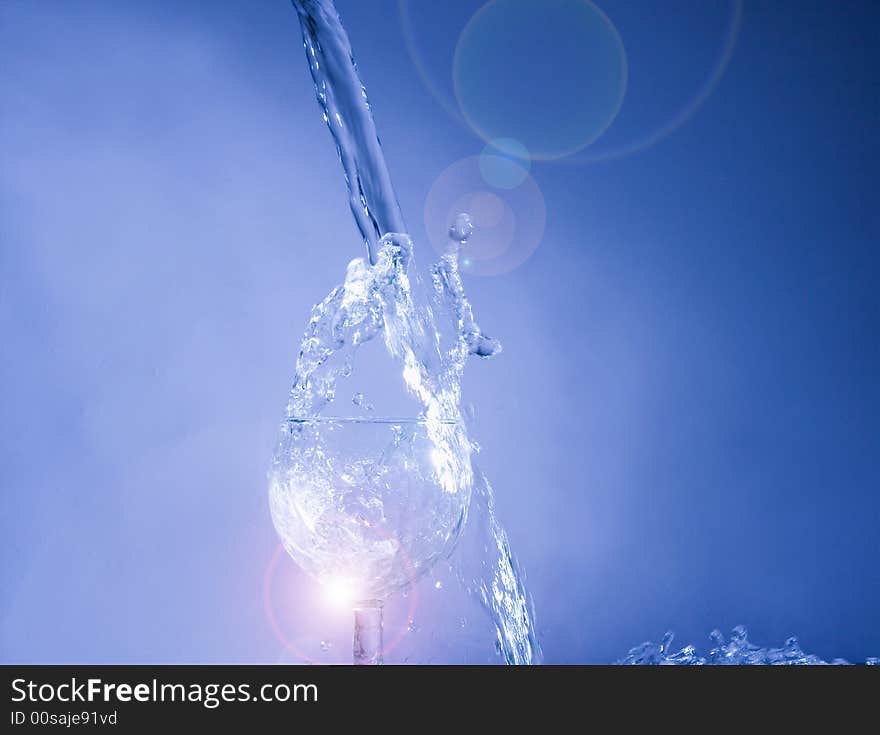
{"x": 431, "y": 62}
{"x": 505, "y": 163}
{"x": 508, "y": 223}
{"x": 341, "y": 591}
{"x": 551, "y": 74}
{"x": 279, "y": 593}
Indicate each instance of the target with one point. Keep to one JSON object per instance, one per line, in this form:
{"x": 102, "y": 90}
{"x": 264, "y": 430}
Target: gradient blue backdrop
{"x": 683, "y": 427}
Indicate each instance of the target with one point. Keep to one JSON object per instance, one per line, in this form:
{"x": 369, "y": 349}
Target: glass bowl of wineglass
{"x": 368, "y": 505}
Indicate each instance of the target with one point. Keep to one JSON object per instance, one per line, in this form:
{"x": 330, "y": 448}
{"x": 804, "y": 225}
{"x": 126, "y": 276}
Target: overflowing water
{"x": 368, "y": 492}
{"x": 738, "y": 651}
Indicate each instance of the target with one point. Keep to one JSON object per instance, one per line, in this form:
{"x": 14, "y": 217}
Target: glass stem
{"x": 367, "y": 643}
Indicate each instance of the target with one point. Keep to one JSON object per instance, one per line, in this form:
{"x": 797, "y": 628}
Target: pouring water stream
{"x": 429, "y": 330}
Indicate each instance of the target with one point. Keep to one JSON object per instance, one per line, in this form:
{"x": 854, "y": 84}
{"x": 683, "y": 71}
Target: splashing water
{"x": 738, "y": 651}
{"x": 386, "y": 515}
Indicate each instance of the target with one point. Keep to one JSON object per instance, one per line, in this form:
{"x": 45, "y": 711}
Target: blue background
{"x": 682, "y": 429}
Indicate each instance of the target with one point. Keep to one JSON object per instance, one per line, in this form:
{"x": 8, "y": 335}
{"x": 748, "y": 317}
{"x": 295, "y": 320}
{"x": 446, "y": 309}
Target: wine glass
{"x": 368, "y": 505}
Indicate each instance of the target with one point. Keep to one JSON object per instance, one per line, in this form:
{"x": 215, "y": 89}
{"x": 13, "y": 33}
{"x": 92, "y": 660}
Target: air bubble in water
{"x": 359, "y": 399}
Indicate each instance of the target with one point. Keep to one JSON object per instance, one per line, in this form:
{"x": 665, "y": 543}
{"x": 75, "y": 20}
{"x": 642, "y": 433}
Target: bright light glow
{"x": 340, "y": 591}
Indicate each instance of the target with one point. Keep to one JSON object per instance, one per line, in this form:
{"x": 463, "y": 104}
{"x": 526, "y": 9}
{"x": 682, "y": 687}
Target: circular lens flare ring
{"x": 505, "y": 163}
{"x": 508, "y": 224}
{"x": 551, "y": 74}
{"x": 638, "y": 144}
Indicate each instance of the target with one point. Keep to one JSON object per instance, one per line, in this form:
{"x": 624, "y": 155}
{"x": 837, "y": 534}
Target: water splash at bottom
{"x": 738, "y": 651}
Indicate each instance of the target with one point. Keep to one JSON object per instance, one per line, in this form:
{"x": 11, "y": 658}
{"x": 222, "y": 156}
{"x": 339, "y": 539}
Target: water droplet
{"x": 508, "y": 224}
{"x": 347, "y": 367}
{"x": 461, "y": 228}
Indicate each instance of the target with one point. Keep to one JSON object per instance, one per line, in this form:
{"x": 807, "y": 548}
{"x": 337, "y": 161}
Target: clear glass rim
{"x": 368, "y": 420}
